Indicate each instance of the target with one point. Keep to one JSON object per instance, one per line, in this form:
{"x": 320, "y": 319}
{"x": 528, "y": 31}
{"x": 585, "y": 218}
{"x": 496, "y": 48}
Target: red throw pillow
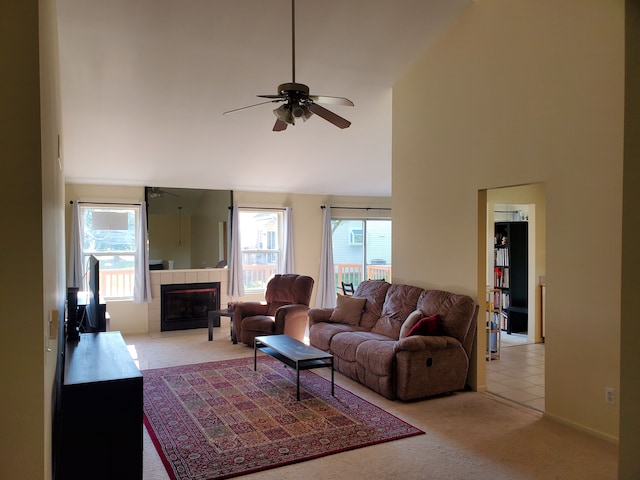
{"x": 426, "y": 326}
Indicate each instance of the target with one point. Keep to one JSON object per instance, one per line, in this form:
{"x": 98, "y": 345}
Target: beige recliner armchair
{"x": 284, "y": 311}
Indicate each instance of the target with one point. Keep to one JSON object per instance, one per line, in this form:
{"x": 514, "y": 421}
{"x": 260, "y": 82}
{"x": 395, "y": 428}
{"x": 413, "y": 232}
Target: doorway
{"x": 515, "y": 358}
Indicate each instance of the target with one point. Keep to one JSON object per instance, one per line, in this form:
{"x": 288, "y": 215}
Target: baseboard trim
{"x": 582, "y": 428}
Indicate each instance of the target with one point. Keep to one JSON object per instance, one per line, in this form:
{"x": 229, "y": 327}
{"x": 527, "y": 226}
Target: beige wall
{"x": 52, "y": 220}
{"x": 32, "y": 283}
{"x": 517, "y": 93}
{"x": 629, "y": 467}
{"x": 307, "y": 228}
{"x": 22, "y": 409}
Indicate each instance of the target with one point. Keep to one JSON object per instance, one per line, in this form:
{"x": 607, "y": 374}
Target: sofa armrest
{"x": 291, "y": 320}
{"x": 249, "y": 309}
{"x": 416, "y": 343}
{"x": 317, "y": 315}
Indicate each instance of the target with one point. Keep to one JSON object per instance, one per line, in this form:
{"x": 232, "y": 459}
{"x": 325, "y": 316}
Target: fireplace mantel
{"x": 169, "y": 277}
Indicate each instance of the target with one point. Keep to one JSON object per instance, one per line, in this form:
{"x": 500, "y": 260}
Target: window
{"x": 261, "y": 246}
{"x": 356, "y": 236}
{"x": 361, "y": 250}
{"x": 109, "y": 233}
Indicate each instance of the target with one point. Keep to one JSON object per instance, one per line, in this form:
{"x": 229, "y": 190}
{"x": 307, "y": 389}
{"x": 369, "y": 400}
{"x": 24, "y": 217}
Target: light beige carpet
{"x": 469, "y": 435}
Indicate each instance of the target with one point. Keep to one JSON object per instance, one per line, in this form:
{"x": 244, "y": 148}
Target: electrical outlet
{"x": 610, "y": 395}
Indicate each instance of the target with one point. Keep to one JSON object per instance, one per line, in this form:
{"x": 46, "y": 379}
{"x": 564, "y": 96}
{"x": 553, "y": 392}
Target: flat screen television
{"x": 94, "y": 313}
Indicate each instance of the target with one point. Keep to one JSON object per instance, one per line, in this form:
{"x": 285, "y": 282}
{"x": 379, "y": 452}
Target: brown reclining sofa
{"x": 368, "y": 335}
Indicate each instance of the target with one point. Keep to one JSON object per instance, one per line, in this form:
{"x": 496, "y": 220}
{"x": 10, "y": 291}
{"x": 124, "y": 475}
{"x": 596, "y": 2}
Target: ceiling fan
{"x": 156, "y": 192}
{"x": 297, "y": 101}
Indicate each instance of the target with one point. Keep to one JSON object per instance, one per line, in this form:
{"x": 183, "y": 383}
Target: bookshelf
{"x": 510, "y": 274}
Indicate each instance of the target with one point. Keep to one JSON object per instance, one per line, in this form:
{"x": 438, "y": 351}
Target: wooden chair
{"x": 347, "y": 289}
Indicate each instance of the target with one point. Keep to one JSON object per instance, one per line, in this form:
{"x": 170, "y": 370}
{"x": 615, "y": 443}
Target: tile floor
{"x": 519, "y": 373}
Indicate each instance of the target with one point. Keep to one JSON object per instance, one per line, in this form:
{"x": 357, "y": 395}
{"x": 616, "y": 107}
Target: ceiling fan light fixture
{"x": 298, "y": 110}
{"x": 307, "y": 114}
{"x": 283, "y": 113}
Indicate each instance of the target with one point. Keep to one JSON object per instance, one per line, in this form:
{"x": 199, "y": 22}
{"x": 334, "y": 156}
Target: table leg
{"x": 297, "y": 382}
{"x": 332, "y": 382}
{"x": 255, "y": 356}
{"x": 210, "y": 327}
{"x": 234, "y": 340}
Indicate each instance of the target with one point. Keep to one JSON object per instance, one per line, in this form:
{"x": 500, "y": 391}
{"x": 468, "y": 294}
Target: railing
{"x": 379, "y": 272}
{"x": 348, "y": 273}
{"x": 353, "y": 273}
{"x": 117, "y": 282}
{"x": 257, "y": 276}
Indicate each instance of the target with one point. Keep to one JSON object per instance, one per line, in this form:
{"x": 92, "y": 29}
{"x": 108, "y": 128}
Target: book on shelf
{"x": 502, "y": 257}
{"x": 503, "y": 320}
{"x": 505, "y": 300}
{"x": 501, "y": 277}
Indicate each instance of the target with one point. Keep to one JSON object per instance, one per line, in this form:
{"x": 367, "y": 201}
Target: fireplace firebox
{"x": 186, "y": 306}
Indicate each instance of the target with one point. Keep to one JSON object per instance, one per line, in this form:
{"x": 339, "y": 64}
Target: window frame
{"x": 363, "y": 262}
{"x": 101, "y": 254}
{"x": 272, "y": 252}
{"x": 354, "y": 233}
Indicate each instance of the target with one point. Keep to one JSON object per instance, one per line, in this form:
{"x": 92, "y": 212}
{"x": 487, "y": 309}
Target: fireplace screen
{"x": 186, "y": 306}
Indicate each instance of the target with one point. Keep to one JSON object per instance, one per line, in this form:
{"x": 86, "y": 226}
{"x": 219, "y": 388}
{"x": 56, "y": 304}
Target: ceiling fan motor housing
{"x": 293, "y": 88}
{"x": 297, "y": 96}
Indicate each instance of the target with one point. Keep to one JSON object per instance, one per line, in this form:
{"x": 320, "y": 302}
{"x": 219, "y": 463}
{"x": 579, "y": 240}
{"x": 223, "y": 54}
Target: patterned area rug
{"x": 221, "y": 419}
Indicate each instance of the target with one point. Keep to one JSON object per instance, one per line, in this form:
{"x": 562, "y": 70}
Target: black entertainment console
{"x": 101, "y": 411}
{"x": 80, "y": 318}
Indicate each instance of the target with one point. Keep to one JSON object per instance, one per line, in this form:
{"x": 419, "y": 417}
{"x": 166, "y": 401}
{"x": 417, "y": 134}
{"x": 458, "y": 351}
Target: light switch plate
{"x": 54, "y": 323}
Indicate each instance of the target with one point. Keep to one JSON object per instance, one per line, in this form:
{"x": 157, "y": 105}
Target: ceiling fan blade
{"x": 329, "y": 116}
{"x": 251, "y": 106}
{"x": 279, "y": 126}
{"x": 331, "y": 100}
{"x": 271, "y": 96}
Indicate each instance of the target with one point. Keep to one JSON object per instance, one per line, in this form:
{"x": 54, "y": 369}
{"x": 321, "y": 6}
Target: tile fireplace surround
{"x": 170, "y": 277}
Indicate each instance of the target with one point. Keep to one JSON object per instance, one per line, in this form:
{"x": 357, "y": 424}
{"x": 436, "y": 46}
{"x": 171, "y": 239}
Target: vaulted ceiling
{"x": 144, "y": 84}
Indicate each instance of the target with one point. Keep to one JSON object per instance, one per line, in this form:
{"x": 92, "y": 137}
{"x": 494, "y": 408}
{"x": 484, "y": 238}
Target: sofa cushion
{"x": 348, "y": 310}
{"x": 376, "y": 356}
{"x": 456, "y": 314}
{"x": 375, "y": 366}
{"x": 375, "y": 292}
{"x": 400, "y": 301}
{"x": 411, "y": 320}
{"x": 345, "y": 344}
{"x": 321, "y": 334}
{"x": 426, "y": 326}
{"x": 272, "y": 307}
{"x": 259, "y": 323}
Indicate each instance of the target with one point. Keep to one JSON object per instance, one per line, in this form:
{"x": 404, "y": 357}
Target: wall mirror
{"x": 188, "y": 228}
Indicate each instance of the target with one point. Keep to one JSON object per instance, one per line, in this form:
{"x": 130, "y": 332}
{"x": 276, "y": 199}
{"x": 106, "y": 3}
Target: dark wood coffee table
{"x": 294, "y": 354}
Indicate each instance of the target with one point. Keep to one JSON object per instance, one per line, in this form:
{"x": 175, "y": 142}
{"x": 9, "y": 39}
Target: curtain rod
{"x": 108, "y": 203}
{"x": 359, "y": 208}
{"x": 261, "y": 208}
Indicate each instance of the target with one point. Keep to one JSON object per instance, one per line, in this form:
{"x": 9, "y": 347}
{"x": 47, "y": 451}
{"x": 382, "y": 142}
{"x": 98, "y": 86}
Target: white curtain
{"x": 75, "y": 249}
{"x": 326, "y": 296}
{"x": 287, "y": 265}
{"x": 236, "y": 287}
{"x": 142, "y": 283}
